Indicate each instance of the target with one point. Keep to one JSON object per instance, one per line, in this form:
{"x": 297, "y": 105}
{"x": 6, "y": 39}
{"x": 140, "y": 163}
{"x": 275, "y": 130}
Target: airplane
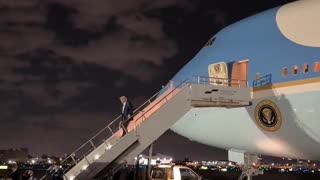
{"x": 278, "y": 53}
{"x": 261, "y": 97}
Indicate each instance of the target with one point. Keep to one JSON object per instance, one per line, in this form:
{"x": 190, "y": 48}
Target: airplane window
{"x": 305, "y": 68}
{"x": 210, "y": 42}
{"x": 295, "y": 70}
{"x": 285, "y": 72}
{"x": 316, "y": 67}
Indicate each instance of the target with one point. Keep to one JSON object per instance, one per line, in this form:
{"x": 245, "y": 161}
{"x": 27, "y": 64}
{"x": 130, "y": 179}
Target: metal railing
{"x": 265, "y": 80}
{"x": 95, "y": 141}
{"x": 236, "y": 83}
{"x": 112, "y": 128}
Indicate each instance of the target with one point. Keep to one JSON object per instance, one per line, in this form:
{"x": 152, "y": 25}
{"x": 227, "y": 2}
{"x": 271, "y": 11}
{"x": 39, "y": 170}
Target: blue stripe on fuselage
{"x": 258, "y": 39}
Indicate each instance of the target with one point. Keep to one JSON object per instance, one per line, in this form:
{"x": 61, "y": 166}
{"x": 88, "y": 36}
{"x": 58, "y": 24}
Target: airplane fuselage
{"x": 278, "y": 53}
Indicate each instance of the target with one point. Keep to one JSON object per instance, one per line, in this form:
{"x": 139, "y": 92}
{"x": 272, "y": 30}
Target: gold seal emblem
{"x": 268, "y": 116}
{"x": 217, "y": 68}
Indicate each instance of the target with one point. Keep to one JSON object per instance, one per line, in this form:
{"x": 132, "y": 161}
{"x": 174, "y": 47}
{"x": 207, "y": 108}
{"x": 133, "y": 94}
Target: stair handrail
{"x": 111, "y": 123}
{"x": 196, "y": 79}
{"x": 228, "y": 81}
{"x": 135, "y": 112}
{"x": 165, "y": 97}
{"x": 264, "y": 80}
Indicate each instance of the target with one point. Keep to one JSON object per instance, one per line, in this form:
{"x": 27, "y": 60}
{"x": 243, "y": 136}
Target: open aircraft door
{"x": 239, "y": 73}
{"x": 218, "y": 74}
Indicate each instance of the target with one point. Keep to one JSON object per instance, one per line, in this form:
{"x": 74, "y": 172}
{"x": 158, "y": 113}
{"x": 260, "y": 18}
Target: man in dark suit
{"x": 15, "y": 174}
{"x": 126, "y": 112}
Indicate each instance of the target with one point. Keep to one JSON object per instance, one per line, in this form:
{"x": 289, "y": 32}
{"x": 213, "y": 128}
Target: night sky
{"x": 65, "y": 63}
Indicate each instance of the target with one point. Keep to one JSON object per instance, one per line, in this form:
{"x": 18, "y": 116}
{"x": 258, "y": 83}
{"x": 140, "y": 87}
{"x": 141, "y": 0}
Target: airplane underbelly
{"x": 297, "y": 135}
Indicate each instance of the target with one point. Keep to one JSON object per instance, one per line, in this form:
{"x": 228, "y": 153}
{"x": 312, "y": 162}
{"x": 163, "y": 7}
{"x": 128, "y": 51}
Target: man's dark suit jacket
{"x": 15, "y": 175}
{"x": 128, "y": 110}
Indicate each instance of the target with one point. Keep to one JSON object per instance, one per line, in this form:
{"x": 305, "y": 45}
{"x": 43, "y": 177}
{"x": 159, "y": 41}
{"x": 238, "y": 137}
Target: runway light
{"x": 4, "y": 167}
{"x": 72, "y": 177}
{"x": 204, "y": 167}
{"x": 9, "y": 162}
{"x": 33, "y": 161}
{"x": 49, "y": 161}
{"x": 224, "y": 170}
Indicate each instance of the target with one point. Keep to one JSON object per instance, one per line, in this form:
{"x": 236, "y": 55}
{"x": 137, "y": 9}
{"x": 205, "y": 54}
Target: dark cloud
{"x": 25, "y": 16}
{"x": 21, "y": 39}
{"x": 118, "y": 51}
{"x": 94, "y": 14}
{"x": 218, "y": 16}
{"x": 113, "y": 49}
{"x": 18, "y": 4}
{"x": 7, "y": 68}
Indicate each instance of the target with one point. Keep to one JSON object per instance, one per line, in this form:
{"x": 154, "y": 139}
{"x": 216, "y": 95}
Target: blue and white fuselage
{"x": 283, "y": 43}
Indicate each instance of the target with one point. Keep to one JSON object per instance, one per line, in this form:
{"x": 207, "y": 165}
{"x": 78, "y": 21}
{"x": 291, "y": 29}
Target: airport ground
{"x": 267, "y": 176}
{"x": 215, "y": 175}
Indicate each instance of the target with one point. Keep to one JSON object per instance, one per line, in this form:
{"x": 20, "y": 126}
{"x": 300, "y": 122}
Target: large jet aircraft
{"x": 272, "y": 58}
{"x": 278, "y": 53}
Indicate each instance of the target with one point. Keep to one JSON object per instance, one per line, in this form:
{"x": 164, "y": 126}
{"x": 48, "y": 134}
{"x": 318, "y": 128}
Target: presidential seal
{"x": 268, "y": 116}
{"x": 217, "y": 67}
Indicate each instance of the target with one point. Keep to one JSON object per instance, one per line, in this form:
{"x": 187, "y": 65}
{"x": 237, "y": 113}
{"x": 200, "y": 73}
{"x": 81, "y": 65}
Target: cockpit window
{"x": 210, "y": 42}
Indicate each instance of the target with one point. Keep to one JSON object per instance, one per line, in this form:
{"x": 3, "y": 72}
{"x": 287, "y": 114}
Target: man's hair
{"x": 123, "y": 97}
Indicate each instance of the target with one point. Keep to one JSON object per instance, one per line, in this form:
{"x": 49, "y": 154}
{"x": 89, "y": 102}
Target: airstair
{"x": 103, "y": 154}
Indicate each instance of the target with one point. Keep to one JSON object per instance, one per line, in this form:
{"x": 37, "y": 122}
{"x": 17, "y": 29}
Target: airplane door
{"x": 218, "y": 74}
{"x": 239, "y": 73}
